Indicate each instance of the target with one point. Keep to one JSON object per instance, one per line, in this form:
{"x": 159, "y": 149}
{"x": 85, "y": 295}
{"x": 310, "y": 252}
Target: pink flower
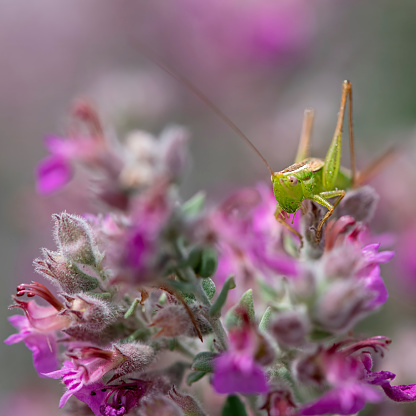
{"x": 238, "y": 369}
{"x": 38, "y": 328}
{"x": 90, "y": 364}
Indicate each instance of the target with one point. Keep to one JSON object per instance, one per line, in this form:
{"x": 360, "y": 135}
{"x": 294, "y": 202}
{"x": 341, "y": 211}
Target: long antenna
{"x": 151, "y": 56}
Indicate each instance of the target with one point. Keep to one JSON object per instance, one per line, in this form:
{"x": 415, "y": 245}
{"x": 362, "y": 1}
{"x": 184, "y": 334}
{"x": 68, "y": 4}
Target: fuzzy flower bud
{"x": 136, "y": 357}
{"x": 89, "y": 312}
{"x": 75, "y": 239}
{"x": 68, "y": 276}
{"x": 174, "y": 320}
{"x": 160, "y": 406}
{"x": 188, "y": 404}
{"x": 290, "y": 328}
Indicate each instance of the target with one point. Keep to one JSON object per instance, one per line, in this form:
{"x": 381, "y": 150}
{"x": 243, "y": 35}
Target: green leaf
{"x": 209, "y": 262}
{"x": 265, "y": 319}
{"x": 103, "y": 296}
{"x": 234, "y": 407}
{"x": 194, "y": 376}
{"x": 209, "y": 287}
{"x": 131, "y": 309}
{"x": 203, "y": 362}
{"x": 194, "y": 205}
{"x": 232, "y": 319}
{"x": 204, "y": 261}
{"x": 85, "y": 282}
{"x": 222, "y": 297}
{"x": 184, "y": 288}
{"x": 319, "y": 334}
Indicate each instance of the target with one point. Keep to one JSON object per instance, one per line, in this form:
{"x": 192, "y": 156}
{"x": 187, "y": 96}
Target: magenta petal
{"x": 402, "y": 393}
{"x": 94, "y": 396}
{"x": 52, "y": 174}
{"x": 374, "y": 284}
{"x": 346, "y": 400}
{"x": 43, "y": 346}
{"x": 232, "y": 375}
{"x": 45, "y": 352}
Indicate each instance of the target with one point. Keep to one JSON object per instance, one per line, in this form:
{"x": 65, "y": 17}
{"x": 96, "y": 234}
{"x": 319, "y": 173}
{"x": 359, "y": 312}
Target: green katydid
{"x": 312, "y": 178}
{"x": 308, "y": 178}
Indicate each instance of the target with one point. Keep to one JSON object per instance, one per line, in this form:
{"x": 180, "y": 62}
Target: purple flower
{"x": 80, "y": 379}
{"x": 343, "y": 372}
{"x": 52, "y": 174}
{"x": 38, "y": 328}
{"x": 237, "y": 370}
{"x": 43, "y": 346}
{"x": 90, "y": 364}
{"x": 248, "y": 237}
{"x": 400, "y": 393}
{"x": 347, "y": 280}
{"x": 238, "y": 373}
{"x": 344, "y": 400}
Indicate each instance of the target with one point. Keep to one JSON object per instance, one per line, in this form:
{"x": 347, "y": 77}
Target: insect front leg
{"x": 321, "y": 199}
{"x": 278, "y": 214}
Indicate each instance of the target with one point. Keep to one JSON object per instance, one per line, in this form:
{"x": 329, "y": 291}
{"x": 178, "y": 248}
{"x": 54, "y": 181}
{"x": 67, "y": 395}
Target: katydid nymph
{"x": 312, "y": 178}
{"x": 308, "y": 178}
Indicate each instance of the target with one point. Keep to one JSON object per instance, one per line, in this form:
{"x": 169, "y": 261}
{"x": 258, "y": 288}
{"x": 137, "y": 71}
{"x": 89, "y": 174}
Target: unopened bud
{"x": 174, "y": 150}
{"x": 75, "y": 239}
{"x": 160, "y": 406}
{"x": 69, "y": 277}
{"x": 265, "y": 353}
{"x": 90, "y": 312}
{"x": 309, "y": 369}
{"x": 175, "y": 320}
{"x": 188, "y": 404}
{"x": 136, "y": 357}
{"x": 204, "y": 261}
{"x": 342, "y": 305}
{"x": 360, "y": 203}
{"x": 290, "y": 328}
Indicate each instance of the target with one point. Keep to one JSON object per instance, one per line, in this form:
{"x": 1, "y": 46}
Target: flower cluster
{"x": 224, "y": 287}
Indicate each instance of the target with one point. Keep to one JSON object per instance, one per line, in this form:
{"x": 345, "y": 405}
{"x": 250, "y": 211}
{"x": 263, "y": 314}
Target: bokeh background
{"x": 261, "y": 61}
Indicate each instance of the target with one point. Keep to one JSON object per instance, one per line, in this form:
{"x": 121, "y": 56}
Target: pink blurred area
{"x": 262, "y": 61}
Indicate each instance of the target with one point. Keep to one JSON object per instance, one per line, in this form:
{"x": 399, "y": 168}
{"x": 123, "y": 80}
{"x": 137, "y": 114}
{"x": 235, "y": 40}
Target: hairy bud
{"x": 290, "y": 328}
{"x": 160, "y": 406}
{"x": 342, "y": 305}
{"x": 360, "y": 203}
{"x": 188, "y": 404}
{"x": 90, "y": 312}
{"x": 68, "y": 276}
{"x": 75, "y": 239}
{"x": 174, "y": 320}
{"x": 136, "y": 357}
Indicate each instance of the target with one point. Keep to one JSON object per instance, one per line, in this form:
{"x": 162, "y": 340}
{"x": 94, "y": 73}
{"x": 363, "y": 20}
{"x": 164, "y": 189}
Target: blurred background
{"x": 262, "y": 62}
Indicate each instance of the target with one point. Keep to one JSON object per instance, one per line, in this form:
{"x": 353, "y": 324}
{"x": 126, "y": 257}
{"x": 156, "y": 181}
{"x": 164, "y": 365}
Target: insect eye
{"x": 293, "y": 180}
